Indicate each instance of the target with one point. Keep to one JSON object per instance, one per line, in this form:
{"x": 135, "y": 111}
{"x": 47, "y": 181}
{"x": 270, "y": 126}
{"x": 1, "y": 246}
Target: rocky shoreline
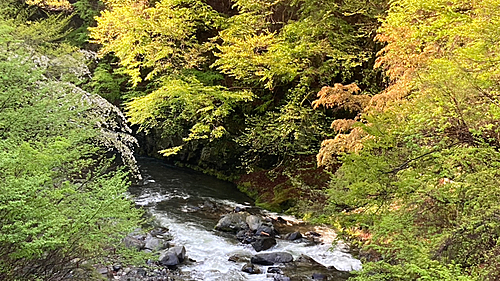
{"x": 247, "y": 225}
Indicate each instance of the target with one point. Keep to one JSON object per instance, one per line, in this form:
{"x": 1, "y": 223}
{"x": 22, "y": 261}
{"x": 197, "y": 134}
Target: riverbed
{"x": 176, "y": 198}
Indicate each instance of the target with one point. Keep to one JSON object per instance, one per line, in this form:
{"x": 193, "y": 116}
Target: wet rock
{"x": 275, "y": 270}
{"x": 232, "y": 222}
{"x": 173, "y": 256}
{"x": 293, "y": 236}
{"x": 117, "y": 267}
{"x": 253, "y": 222}
{"x": 251, "y": 268}
{"x": 306, "y": 268}
{"x": 245, "y": 236}
{"x": 265, "y": 230}
{"x": 155, "y": 244}
{"x": 169, "y": 259}
{"x": 180, "y": 251}
{"x": 263, "y": 243}
{"x": 272, "y": 258}
{"x": 238, "y": 209}
{"x": 208, "y": 205}
{"x": 239, "y": 258}
{"x": 313, "y": 233}
{"x": 160, "y": 232}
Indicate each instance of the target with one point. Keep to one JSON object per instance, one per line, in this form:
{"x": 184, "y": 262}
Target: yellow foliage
{"x": 53, "y": 5}
{"x": 159, "y": 37}
{"x": 340, "y": 96}
{"x": 342, "y": 143}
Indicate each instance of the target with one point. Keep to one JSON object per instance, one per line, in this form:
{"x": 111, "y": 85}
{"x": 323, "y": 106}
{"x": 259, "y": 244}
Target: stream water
{"x": 174, "y": 196}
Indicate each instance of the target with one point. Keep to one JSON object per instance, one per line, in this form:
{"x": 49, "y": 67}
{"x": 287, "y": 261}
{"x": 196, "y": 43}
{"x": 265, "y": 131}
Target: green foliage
{"x": 291, "y": 131}
{"x": 106, "y": 83}
{"x": 426, "y": 185}
{"x": 60, "y": 205}
{"x": 156, "y": 39}
{"x": 272, "y": 43}
{"x": 186, "y": 110}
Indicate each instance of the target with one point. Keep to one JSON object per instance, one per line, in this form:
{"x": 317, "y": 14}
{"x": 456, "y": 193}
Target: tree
{"x": 61, "y": 205}
{"x": 425, "y": 184}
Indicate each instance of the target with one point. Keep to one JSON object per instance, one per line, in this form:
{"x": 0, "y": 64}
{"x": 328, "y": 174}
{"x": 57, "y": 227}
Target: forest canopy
{"x": 378, "y": 117}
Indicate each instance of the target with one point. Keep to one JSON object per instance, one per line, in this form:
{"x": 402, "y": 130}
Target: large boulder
{"x": 263, "y": 243}
{"x": 233, "y": 222}
{"x": 272, "y": 258}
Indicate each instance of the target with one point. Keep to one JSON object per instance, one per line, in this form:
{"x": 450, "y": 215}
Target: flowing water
{"x": 174, "y": 196}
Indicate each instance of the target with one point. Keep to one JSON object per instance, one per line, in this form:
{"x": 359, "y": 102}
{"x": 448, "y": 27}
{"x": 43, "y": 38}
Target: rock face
{"x": 233, "y": 222}
{"x": 272, "y": 258}
{"x": 263, "y": 243}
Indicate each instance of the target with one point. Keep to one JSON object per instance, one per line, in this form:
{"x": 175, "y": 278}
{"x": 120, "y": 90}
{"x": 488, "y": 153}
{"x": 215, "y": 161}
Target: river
{"x": 174, "y": 196}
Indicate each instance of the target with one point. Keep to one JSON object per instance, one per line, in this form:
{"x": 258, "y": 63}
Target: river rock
{"x": 173, "y": 256}
{"x": 251, "y": 268}
{"x": 254, "y": 222}
{"x": 272, "y": 258}
{"x": 160, "y": 232}
{"x": 265, "y": 230}
{"x": 102, "y": 270}
{"x": 275, "y": 270}
{"x": 155, "y": 244}
{"x": 180, "y": 251}
{"x": 169, "y": 259}
{"x": 239, "y": 258}
{"x": 263, "y": 243}
{"x": 233, "y": 222}
{"x": 293, "y": 236}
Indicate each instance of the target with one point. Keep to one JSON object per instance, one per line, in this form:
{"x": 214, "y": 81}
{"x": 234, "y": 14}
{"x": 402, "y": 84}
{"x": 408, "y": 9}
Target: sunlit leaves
{"x": 156, "y": 39}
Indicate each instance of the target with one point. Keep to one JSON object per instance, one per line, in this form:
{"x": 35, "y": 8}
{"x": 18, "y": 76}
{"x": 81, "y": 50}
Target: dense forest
{"x": 379, "y": 118}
